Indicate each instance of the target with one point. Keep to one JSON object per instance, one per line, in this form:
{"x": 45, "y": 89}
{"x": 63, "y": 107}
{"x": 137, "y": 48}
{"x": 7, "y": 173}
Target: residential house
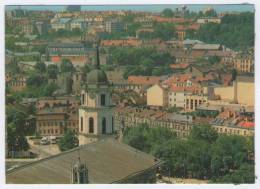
{"x": 157, "y": 96}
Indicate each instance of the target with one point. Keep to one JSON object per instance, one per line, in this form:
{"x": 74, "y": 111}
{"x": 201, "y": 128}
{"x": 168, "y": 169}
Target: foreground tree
{"x": 68, "y": 141}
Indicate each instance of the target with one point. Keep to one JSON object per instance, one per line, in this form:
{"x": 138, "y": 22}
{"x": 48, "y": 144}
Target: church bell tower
{"x": 96, "y": 110}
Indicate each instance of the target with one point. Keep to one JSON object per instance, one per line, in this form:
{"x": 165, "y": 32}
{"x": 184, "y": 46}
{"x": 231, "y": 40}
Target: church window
{"x": 91, "y": 125}
{"x": 104, "y": 126}
{"x": 83, "y": 99}
{"x": 103, "y": 99}
{"x": 81, "y": 124}
{"x": 112, "y": 124}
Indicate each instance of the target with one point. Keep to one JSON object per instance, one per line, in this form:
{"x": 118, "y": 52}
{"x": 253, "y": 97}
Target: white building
{"x": 78, "y": 23}
{"x": 177, "y": 98}
{"x": 62, "y": 23}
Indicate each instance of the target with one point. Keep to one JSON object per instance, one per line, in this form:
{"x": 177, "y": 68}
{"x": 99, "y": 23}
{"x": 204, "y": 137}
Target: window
{"x": 104, "y": 125}
{"x": 83, "y": 99}
{"x": 112, "y": 124}
{"x": 103, "y": 99}
{"x": 91, "y": 125}
{"x": 81, "y": 124}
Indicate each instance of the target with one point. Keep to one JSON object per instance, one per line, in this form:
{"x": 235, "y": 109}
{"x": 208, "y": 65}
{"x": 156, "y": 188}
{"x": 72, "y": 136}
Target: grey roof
{"x": 191, "y": 42}
{"x": 66, "y": 45}
{"x": 68, "y": 48}
{"x": 107, "y": 161}
{"x": 178, "y": 117}
{"x": 206, "y": 46}
{"x": 78, "y": 20}
{"x": 64, "y": 20}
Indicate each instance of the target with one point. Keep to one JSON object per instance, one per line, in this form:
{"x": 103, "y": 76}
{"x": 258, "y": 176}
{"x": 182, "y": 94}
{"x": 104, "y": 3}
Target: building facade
{"x": 157, "y": 96}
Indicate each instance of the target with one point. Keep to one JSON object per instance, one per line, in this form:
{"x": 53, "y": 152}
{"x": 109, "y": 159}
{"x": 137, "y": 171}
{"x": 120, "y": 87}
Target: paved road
{"x": 43, "y": 150}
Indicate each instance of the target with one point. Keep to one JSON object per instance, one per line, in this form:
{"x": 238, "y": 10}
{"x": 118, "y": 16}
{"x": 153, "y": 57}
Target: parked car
{"x": 44, "y": 141}
{"x": 53, "y": 140}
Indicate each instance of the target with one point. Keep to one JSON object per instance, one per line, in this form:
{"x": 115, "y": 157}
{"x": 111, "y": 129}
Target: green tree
{"x": 234, "y": 74}
{"x": 244, "y": 175}
{"x": 16, "y": 129}
{"x": 66, "y": 66}
{"x": 234, "y": 31}
{"x": 68, "y": 141}
{"x": 214, "y": 59}
{"x": 35, "y": 80}
{"x": 164, "y": 31}
{"x": 52, "y": 71}
{"x": 203, "y": 132}
{"x": 228, "y": 153}
{"x": 49, "y": 89}
{"x": 40, "y": 67}
{"x": 167, "y": 13}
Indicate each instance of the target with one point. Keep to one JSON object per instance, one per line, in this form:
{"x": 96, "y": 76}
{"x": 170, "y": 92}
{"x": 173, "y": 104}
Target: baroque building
{"x": 96, "y": 110}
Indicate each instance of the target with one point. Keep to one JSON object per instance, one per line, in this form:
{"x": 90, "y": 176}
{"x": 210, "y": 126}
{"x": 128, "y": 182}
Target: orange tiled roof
{"x": 178, "y": 78}
{"x": 120, "y": 42}
{"x": 173, "y": 20}
{"x": 188, "y": 27}
{"x": 191, "y": 89}
{"x": 247, "y": 124}
{"x": 179, "y": 66}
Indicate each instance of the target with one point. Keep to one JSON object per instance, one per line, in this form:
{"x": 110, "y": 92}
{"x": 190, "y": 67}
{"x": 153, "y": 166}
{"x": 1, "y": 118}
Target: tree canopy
{"x": 68, "y": 141}
{"x": 167, "y": 13}
{"x": 66, "y": 66}
{"x": 202, "y": 155}
{"x": 235, "y": 31}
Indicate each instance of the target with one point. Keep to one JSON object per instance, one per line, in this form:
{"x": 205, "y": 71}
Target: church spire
{"x": 97, "y": 63}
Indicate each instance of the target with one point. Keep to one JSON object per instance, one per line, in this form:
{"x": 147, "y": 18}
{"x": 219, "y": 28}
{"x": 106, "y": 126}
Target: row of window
{"x": 56, "y": 123}
{"x": 102, "y": 101}
{"x": 54, "y": 131}
{"x": 90, "y": 122}
{"x": 17, "y": 83}
{"x": 230, "y": 131}
{"x": 176, "y": 126}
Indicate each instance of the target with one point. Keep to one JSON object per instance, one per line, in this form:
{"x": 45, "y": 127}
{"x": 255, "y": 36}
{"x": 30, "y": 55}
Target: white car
{"x": 44, "y": 141}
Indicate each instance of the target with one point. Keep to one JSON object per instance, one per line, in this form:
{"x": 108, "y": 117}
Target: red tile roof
{"x": 247, "y": 124}
{"x": 191, "y": 89}
{"x": 179, "y": 66}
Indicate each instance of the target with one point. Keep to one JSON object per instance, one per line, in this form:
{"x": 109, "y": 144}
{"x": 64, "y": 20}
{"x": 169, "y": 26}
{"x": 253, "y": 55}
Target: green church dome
{"x": 97, "y": 76}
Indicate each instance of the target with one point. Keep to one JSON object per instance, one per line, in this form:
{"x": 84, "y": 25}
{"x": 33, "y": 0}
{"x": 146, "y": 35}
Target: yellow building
{"x": 245, "y": 90}
{"x": 242, "y": 91}
{"x": 244, "y": 64}
{"x": 224, "y": 129}
{"x": 226, "y": 93}
{"x": 157, "y": 96}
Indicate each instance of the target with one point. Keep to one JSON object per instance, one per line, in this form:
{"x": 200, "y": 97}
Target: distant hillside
{"x": 235, "y": 31}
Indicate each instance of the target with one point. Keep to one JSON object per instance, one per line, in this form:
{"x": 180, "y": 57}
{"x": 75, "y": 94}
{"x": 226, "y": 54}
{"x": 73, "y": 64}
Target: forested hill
{"x": 235, "y": 31}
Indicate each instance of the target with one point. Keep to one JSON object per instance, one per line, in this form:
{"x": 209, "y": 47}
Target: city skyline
{"x": 98, "y": 97}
